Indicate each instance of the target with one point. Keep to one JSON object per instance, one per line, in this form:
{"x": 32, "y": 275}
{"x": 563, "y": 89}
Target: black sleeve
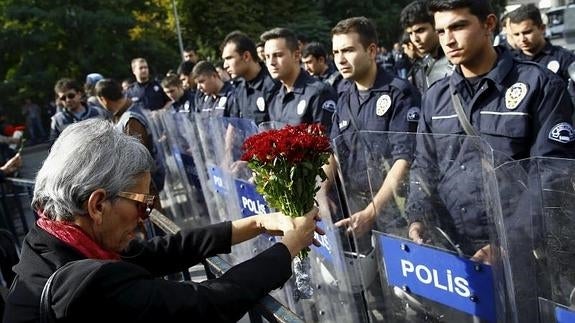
{"x": 173, "y": 253}
{"x": 128, "y": 292}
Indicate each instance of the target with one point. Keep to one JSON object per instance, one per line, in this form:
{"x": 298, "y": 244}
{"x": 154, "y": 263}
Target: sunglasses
{"x": 67, "y": 96}
{"x": 145, "y": 202}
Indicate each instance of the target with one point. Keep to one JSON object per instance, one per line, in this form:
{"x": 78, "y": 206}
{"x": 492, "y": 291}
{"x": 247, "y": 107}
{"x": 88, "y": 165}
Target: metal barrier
{"x": 15, "y": 197}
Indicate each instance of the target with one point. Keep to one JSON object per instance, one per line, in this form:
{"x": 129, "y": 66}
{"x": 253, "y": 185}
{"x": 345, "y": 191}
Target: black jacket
{"x": 131, "y": 290}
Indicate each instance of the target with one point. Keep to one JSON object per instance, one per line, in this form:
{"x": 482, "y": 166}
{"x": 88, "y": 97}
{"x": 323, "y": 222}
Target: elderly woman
{"x": 91, "y": 196}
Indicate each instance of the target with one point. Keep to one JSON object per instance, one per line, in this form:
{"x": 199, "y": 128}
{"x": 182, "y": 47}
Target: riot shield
{"x": 537, "y": 226}
{"x": 332, "y": 299}
{"x": 418, "y": 207}
{"x": 176, "y": 143}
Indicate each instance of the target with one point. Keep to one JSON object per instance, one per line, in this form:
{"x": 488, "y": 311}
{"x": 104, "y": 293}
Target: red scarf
{"x": 75, "y": 237}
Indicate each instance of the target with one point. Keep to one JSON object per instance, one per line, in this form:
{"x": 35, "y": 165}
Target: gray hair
{"x": 87, "y": 155}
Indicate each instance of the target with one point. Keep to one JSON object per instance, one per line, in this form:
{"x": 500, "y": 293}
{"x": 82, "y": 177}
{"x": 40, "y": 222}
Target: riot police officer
{"x": 519, "y": 108}
{"x": 417, "y": 22}
{"x": 255, "y": 88}
{"x": 301, "y": 99}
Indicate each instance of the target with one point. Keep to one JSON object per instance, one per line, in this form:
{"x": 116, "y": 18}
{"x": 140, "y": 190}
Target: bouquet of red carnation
{"x": 286, "y": 163}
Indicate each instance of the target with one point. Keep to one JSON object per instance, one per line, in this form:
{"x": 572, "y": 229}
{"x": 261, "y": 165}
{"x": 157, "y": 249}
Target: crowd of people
{"x": 444, "y": 76}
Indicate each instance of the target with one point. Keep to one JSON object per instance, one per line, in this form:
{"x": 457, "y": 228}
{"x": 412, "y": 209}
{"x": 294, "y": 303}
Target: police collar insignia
{"x": 301, "y": 107}
{"x": 343, "y": 124}
{"x": 222, "y": 101}
{"x": 562, "y": 132}
{"x": 413, "y": 114}
{"x": 156, "y": 88}
{"x": 261, "y": 104}
{"x": 383, "y": 104}
{"x": 514, "y": 95}
{"x": 329, "y": 105}
{"x": 553, "y": 66}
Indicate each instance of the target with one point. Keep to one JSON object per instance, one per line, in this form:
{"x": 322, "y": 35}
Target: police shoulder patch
{"x": 329, "y": 105}
{"x": 413, "y": 114}
{"x": 383, "y": 104}
{"x": 514, "y": 95}
{"x": 301, "y": 107}
{"x": 343, "y": 124}
{"x": 261, "y": 104}
{"x": 156, "y": 88}
{"x": 562, "y": 132}
{"x": 222, "y": 101}
{"x": 553, "y": 66}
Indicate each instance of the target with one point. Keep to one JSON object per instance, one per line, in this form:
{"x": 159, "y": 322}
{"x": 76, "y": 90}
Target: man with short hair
{"x": 255, "y": 88}
{"x": 146, "y": 91}
{"x": 183, "y": 100}
{"x": 69, "y": 93}
{"x": 520, "y": 109}
{"x": 217, "y": 95}
{"x": 315, "y": 61}
{"x": 528, "y": 32}
{"x": 301, "y": 99}
{"x": 189, "y": 54}
{"x": 418, "y": 23}
{"x": 129, "y": 118}
{"x": 376, "y": 101}
{"x": 260, "y": 51}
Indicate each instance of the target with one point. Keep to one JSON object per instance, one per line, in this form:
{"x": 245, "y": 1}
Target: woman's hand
{"x": 302, "y": 234}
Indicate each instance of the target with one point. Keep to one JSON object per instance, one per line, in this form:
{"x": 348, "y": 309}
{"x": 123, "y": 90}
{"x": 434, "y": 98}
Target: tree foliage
{"x": 42, "y": 41}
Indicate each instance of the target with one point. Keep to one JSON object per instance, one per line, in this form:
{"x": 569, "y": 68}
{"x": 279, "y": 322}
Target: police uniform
{"x": 310, "y": 101}
{"x": 333, "y": 78}
{"x": 149, "y": 95}
{"x": 555, "y": 58}
{"x": 428, "y": 70}
{"x": 65, "y": 118}
{"x": 187, "y": 103}
{"x": 252, "y": 98}
{"x": 519, "y": 108}
{"x": 392, "y": 105}
{"x": 219, "y": 105}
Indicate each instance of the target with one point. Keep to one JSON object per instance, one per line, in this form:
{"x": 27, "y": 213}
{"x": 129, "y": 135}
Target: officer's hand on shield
{"x": 359, "y": 223}
{"x": 483, "y": 255}
{"x": 416, "y": 232}
{"x": 278, "y": 224}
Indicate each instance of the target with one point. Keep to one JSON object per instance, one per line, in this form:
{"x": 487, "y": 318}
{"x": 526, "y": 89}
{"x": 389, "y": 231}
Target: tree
{"x": 42, "y": 41}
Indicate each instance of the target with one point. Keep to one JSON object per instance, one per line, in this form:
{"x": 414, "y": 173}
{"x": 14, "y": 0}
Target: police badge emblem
{"x": 383, "y": 104}
{"x": 156, "y": 88}
{"x": 514, "y": 95}
{"x": 553, "y": 66}
{"x": 301, "y": 107}
{"x": 562, "y": 132}
{"x": 261, "y": 104}
{"x": 222, "y": 101}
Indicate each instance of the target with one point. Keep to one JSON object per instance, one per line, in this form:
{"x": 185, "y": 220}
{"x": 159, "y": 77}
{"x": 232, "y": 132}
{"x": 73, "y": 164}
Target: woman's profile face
{"x": 121, "y": 223}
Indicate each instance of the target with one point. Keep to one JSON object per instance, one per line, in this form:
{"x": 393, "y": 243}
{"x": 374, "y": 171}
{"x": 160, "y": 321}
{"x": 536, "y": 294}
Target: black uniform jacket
{"x": 131, "y": 290}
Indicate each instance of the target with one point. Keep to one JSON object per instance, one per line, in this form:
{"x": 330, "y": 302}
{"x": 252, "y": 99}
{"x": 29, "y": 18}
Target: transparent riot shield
{"x": 332, "y": 300}
{"x": 419, "y": 206}
{"x": 537, "y": 226}
{"x": 176, "y": 143}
